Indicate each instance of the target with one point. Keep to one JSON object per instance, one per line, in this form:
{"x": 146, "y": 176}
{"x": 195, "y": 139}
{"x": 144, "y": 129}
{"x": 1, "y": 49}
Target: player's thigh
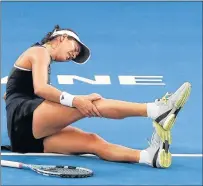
{"x": 50, "y": 117}
{"x": 72, "y": 140}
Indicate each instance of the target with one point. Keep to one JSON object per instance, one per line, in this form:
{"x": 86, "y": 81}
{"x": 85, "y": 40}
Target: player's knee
{"x": 98, "y": 145}
{"x": 93, "y": 137}
{"x": 96, "y": 142}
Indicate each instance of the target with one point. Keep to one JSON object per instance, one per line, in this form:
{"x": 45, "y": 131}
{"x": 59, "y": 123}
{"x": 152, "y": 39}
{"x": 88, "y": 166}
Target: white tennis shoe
{"x": 170, "y": 105}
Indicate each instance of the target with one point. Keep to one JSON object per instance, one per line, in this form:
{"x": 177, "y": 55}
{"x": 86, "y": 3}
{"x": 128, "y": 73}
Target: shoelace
{"x": 153, "y": 142}
{"x": 165, "y": 98}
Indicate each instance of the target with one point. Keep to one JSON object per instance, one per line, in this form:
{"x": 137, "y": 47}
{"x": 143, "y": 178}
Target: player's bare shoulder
{"x": 38, "y": 55}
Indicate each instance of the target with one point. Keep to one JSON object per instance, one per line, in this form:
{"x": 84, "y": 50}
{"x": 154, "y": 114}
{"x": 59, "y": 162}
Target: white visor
{"x": 84, "y": 54}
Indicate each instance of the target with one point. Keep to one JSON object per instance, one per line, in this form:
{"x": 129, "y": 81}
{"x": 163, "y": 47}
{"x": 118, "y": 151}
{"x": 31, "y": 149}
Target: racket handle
{"x": 11, "y": 164}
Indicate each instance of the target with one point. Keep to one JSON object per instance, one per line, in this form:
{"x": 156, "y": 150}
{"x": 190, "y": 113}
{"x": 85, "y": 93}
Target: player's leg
{"x": 71, "y": 140}
{"x": 49, "y": 117}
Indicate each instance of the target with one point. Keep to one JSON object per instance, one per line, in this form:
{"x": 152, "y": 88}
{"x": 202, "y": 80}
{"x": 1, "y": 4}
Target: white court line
{"x": 187, "y": 155}
{"x": 161, "y": 84}
{"x": 88, "y": 155}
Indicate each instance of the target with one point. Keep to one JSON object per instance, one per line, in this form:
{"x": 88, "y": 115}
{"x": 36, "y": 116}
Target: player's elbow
{"x": 39, "y": 89}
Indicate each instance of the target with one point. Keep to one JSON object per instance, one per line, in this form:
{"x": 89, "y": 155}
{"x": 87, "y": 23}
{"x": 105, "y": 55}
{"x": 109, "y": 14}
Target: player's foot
{"x": 170, "y": 105}
{"x": 168, "y": 108}
{"x": 158, "y": 150}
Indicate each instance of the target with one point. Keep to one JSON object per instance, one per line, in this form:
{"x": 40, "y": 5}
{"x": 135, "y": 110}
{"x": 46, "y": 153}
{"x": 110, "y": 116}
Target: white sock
{"x": 144, "y": 157}
{"x": 152, "y": 110}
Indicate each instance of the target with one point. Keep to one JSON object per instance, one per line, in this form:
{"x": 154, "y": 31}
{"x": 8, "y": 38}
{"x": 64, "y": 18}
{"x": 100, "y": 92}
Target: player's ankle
{"x": 152, "y": 110}
{"x": 144, "y": 157}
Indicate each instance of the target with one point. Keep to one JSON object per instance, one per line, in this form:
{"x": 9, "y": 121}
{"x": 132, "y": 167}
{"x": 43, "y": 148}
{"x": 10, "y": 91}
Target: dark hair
{"x": 48, "y": 37}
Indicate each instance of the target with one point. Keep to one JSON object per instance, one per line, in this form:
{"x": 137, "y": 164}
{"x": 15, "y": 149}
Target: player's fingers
{"x": 96, "y": 111}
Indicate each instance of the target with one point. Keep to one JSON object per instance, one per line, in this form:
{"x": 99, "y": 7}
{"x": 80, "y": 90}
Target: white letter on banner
{"x": 99, "y": 80}
{"x": 141, "y": 80}
{"x": 4, "y": 80}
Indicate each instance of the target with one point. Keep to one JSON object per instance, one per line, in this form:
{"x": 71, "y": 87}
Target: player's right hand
{"x": 86, "y": 107}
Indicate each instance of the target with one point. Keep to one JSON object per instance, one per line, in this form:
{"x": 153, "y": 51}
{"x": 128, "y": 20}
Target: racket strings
{"x": 63, "y": 170}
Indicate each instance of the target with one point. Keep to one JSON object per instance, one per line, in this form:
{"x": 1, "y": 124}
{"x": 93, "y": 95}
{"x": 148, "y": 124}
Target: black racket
{"x": 52, "y": 170}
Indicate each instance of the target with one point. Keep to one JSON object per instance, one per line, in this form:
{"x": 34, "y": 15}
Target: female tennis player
{"x": 39, "y": 115}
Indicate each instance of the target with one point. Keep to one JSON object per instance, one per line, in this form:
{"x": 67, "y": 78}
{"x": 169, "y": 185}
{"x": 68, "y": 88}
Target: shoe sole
{"x": 165, "y": 159}
{"x": 164, "y": 155}
{"x": 165, "y": 135}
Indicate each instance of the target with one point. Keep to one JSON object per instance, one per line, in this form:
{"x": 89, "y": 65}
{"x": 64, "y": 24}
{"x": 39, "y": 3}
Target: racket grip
{"x": 11, "y": 164}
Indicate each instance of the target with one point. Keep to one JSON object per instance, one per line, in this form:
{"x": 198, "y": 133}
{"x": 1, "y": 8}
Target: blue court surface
{"x": 158, "y": 42}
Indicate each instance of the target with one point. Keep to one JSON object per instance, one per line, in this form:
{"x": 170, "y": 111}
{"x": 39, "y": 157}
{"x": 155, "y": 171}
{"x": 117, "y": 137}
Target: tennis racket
{"x": 52, "y": 170}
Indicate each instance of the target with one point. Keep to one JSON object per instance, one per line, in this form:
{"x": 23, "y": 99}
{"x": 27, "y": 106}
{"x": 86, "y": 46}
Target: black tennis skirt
{"x": 19, "y": 124}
